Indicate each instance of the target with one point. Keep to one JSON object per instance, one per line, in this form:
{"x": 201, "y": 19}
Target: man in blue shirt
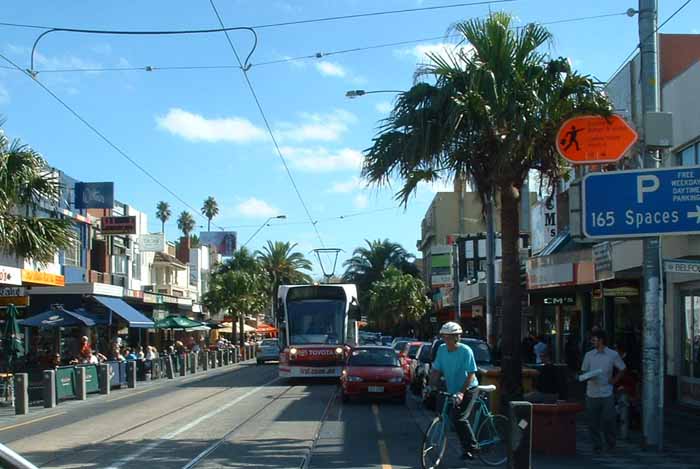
{"x": 455, "y": 362}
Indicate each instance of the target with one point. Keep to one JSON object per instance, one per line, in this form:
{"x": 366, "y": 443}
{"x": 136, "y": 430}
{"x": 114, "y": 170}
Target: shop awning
{"x": 122, "y": 309}
{"x": 265, "y": 329}
{"x": 57, "y": 317}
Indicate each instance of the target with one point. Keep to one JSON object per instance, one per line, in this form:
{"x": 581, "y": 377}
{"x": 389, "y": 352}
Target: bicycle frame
{"x": 482, "y": 412}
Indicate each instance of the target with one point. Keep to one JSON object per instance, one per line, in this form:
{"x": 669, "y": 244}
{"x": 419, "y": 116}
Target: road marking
{"x": 10, "y": 427}
{"x": 383, "y": 450}
{"x": 187, "y": 427}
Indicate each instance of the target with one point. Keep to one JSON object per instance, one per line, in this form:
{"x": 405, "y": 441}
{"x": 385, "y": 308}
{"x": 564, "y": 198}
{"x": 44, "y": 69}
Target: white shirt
{"x": 539, "y": 348}
{"x": 606, "y": 360}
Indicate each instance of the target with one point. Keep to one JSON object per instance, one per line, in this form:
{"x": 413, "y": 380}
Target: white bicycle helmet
{"x": 451, "y": 328}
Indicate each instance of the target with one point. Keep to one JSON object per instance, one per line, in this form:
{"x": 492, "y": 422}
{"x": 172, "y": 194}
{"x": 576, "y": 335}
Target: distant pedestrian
{"x": 540, "y": 348}
{"x": 600, "y": 401}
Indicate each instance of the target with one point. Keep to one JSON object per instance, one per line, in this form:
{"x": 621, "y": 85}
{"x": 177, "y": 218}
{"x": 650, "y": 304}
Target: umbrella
{"x": 57, "y": 317}
{"x": 12, "y": 346}
{"x": 177, "y": 322}
{"x": 265, "y": 328}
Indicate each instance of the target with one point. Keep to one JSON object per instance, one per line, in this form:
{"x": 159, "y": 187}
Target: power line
{"x": 297, "y": 22}
{"x": 634, "y": 51}
{"x": 103, "y": 137}
{"x": 267, "y": 124}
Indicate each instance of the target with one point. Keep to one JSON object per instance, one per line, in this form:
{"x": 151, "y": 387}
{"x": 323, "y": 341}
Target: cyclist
{"x": 455, "y": 362}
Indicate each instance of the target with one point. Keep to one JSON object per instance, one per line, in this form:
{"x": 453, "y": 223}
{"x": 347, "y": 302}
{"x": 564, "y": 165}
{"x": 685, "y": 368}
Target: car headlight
{"x": 292, "y": 351}
{"x": 354, "y": 379}
{"x": 339, "y": 350}
{"x": 396, "y": 379}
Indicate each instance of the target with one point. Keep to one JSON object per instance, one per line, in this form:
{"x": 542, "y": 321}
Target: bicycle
{"x": 491, "y": 432}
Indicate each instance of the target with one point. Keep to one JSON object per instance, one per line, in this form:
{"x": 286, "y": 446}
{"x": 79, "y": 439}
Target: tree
{"x": 210, "y": 209}
{"x": 491, "y": 114}
{"x": 163, "y": 214}
{"x": 25, "y": 181}
{"x": 395, "y": 299}
{"x": 283, "y": 267}
{"x": 367, "y": 264}
{"x": 185, "y": 223}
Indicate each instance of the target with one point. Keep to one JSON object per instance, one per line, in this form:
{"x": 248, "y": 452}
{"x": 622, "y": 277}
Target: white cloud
{"x": 345, "y": 187}
{"x": 330, "y": 69}
{"x": 442, "y": 49}
{"x": 320, "y": 159}
{"x": 317, "y": 127}
{"x": 360, "y": 201}
{"x": 256, "y": 208}
{"x": 4, "y": 95}
{"x": 384, "y": 107}
{"x": 196, "y": 128}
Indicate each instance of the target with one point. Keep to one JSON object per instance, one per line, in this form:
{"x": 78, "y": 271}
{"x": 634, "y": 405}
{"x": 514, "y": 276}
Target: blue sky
{"x": 199, "y": 132}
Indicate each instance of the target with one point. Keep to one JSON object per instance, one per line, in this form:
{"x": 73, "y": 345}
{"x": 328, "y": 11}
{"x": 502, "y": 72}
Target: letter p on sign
{"x": 646, "y": 183}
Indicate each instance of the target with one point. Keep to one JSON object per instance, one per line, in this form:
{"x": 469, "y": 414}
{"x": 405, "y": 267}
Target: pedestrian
{"x": 455, "y": 362}
{"x": 85, "y": 350}
{"x": 539, "y": 349}
{"x": 600, "y": 401}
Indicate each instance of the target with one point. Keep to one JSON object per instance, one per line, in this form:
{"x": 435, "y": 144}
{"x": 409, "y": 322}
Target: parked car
{"x": 268, "y": 350}
{"x": 373, "y": 371}
{"x": 482, "y": 356}
{"x": 402, "y": 339}
{"x": 419, "y": 367}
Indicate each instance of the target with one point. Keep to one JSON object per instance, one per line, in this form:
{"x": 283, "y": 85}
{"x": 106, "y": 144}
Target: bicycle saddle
{"x": 488, "y": 388}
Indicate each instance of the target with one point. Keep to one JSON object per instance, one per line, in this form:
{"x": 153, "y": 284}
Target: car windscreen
{"x": 316, "y": 321}
{"x": 373, "y": 357}
{"x": 413, "y": 350}
{"x": 269, "y": 343}
{"x": 482, "y": 354}
{"x": 399, "y": 346}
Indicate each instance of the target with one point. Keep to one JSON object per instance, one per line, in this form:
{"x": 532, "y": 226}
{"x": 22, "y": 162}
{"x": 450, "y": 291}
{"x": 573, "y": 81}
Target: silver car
{"x": 267, "y": 350}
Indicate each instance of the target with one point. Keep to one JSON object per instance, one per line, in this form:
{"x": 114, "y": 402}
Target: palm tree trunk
{"x": 510, "y": 295}
{"x": 208, "y": 224}
{"x": 162, "y": 226}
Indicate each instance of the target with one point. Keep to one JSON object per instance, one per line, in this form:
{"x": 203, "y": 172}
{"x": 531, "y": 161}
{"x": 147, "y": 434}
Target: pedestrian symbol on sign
{"x": 571, "y": 136}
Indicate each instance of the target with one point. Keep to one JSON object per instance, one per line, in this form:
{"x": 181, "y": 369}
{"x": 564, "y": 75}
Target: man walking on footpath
{"x": 455, "y": 361}
{"x": 600, "y": 401}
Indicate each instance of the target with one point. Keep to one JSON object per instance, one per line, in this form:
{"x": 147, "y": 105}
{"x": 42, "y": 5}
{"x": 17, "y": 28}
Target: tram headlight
{"x": 292, "y": 352}
{"x": 339, "y": 350}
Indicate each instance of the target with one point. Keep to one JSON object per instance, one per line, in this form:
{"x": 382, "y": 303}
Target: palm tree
{"x": 163, "y": 214}
{"x": 283, "y": 267}
{"x": 185, "y": 223}
{"x": 25, "y": 181}
{"x": 210, "y": 209}
{"x": 491, "y": 114}
{"x": 367, "y": 264}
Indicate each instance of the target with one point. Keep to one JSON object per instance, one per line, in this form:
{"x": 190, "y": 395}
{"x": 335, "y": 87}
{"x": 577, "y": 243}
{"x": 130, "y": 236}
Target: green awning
{"x": 177, "y": 322}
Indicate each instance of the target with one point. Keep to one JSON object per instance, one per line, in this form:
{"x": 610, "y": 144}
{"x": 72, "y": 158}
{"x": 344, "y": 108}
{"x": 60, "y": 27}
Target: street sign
{"x": 602, "y": 261}
{"x": 637, "y": 204}
{"x": 595, "y": 139}
{"x": 118, "y": 225}
{"x": 682, "y": 266}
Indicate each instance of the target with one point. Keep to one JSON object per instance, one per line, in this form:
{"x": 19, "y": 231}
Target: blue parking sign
{"x": 643, "y": 203}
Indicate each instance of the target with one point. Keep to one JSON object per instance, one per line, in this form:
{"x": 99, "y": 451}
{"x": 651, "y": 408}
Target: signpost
{"x": 595, "y": 139}
{"x": 644, "y": 203}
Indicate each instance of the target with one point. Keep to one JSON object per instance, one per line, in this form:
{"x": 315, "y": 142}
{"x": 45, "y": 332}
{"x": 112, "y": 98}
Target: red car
{"x": 374, "y": 371}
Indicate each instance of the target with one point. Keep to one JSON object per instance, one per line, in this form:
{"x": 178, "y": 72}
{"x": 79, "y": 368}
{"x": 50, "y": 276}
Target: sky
{"x": 200, "y": 133}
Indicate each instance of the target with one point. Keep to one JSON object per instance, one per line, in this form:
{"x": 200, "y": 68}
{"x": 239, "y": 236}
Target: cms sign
{"x": 560, "y": 300}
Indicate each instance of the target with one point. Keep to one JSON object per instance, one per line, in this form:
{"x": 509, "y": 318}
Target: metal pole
{"x": 651, "y": 352}
{"x": 490, "y": 272}
{"x": 455, "y": 276}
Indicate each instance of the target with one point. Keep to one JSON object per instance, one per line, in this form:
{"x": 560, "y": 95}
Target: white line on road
{"x": 186, "y": 428}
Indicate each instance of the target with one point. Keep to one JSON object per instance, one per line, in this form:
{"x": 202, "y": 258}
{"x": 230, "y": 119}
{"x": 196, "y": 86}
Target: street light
{"x": 279, "y": 217}
{"x": 357, "y": 93}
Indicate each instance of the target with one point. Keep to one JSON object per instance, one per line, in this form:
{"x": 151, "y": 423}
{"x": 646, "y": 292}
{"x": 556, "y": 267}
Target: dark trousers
{"x": 464, "y": 430}
{"x": 600, "y": 412}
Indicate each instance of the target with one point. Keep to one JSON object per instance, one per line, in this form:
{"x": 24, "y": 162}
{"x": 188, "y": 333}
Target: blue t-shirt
{"x": 455, "y": 366}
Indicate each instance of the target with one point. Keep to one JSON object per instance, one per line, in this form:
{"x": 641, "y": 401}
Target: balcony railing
{"x": 110, "y": 279}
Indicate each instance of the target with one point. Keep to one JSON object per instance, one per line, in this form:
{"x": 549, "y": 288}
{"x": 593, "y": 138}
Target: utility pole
{"x": 652, "y": 353}
{"x": 490, "y": 272}
{"x": 455, "y": 270}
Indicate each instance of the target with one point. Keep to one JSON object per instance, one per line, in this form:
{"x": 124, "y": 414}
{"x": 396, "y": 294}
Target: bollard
{"x": 80, "y": 388}
{"x": 181, "y": 364}
{"x": 520, "y": 435}
{"x": 104, "y": 375}
{"x": 229, "y": 355}
{"x": 169, "y": 371}
{"x": 226, "y": 358}
{"x": 205, "y": 361}
{"x": 49, "y": 391}
{"x": 21, "y": 393}
{"x": 193, "y": 363}
{"x": 220, "y": 357}
{"x": 212, "y": 357}
{"x": 236, "y": 357}
{"x": 131, "y": 374}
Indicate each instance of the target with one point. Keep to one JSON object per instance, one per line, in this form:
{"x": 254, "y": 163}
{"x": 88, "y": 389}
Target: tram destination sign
{"x": 642, "y": 203}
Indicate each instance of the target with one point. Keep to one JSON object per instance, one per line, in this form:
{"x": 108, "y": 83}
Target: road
{"x": 241, "y": 416}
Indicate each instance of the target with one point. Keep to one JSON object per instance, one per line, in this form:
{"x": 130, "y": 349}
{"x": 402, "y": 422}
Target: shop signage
{"x": 118, "y": 225}
{"x": 154, "y": 242}
{"x": 94, "y": 195}
{"x": 10, "y": 275}
{"x": 135, "y": 294}
{"x": 43, "y": 278}
{"x": 602, "y": 260}
{"x": 682, "y": 267}
{"x": 11, "y": 291}
{"x": 559, "y": 300}
{"x": 645, "y": 203}
{"x": 621, "y": 291}
{"x": 542, "y": 276}
{"x": 14, "y": 300}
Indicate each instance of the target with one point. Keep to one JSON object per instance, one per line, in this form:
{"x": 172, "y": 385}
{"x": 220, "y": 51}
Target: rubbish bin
{"x": 492, "y": 375}
{"x": 554, "y": 428}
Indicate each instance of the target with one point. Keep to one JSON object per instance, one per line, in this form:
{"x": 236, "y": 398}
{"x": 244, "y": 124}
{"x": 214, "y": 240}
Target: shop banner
{"x": 10, "y": 276}
{"x": 153, "y": 242}
{"x": 602, "y": 259}
{"x": 92, "y": 384}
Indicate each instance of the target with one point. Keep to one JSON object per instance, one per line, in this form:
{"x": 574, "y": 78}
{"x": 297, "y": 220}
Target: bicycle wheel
{"x": 434, "y": 444}
{"x": 492, "y": 437}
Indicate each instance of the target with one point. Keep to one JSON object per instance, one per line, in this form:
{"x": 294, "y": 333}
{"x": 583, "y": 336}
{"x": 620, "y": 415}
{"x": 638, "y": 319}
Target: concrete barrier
{"x": 80, "y": 388}
{"x": 104, "y": 372}
{"x": 131, "y": 374}
{"x": 21, "y": 393}
{"x": 49, "y": 382}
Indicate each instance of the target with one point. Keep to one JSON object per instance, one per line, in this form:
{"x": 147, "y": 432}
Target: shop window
{"x": 688, "y": 156}
{"x": 71, "y": 255}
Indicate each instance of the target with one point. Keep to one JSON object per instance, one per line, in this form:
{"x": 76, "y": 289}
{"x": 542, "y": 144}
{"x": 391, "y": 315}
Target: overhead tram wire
{"x": 317, "y": 55}
{"x": 267, "y": 125}
{"x": 104, "y": 138}
{"x": 634, "y": 51}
